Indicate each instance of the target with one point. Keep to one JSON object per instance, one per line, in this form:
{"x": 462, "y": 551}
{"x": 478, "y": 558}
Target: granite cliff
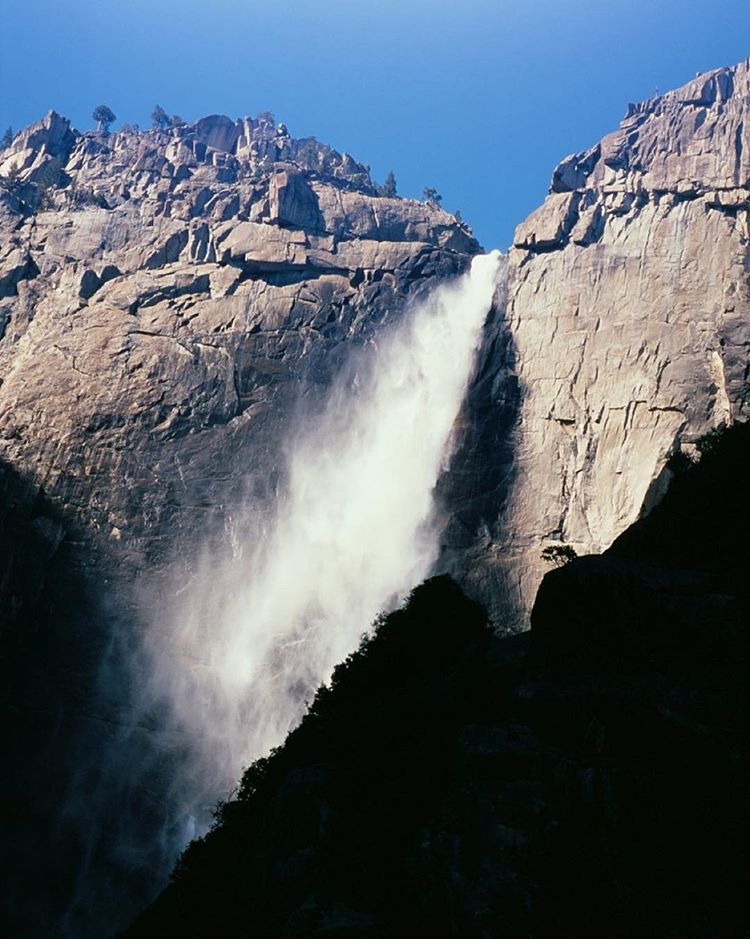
{"x": 162, "y": 290}
{"x": 171, "y": 302}
{"x": 627, "y": 334}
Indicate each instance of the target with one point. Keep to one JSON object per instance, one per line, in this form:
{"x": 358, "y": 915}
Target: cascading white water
{"x": 354, "y": 531}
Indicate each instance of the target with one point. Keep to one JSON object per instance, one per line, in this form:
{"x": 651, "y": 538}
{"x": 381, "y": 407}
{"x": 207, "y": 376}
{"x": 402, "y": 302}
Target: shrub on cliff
{"x": 308, "y": 154}
{"x": 559, "y": 554}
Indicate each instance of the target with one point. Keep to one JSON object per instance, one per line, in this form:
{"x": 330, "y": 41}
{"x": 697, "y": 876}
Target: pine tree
{"x": 389, "y": 186}
{"x": 159, "y": 118}
{"x": 7, "y": 139}
{"x": 103, "y": 117}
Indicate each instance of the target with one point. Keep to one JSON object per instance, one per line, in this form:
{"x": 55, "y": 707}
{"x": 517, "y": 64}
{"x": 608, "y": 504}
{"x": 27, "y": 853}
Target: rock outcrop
{"x": 629, "y": 332}
{"x": 161, "y": 290}
{"x": 169, "y": 301}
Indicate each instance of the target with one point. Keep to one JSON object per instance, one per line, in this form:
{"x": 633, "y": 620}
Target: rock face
{"x": 629, "y": 332}
{"x": 588, "y": 778}
{"x": 168, "y": 302}
{"x": 161, "y": 290}
{"x": 162, "y": 293}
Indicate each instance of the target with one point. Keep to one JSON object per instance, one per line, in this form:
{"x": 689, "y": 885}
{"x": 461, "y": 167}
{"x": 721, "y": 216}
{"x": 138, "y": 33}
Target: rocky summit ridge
{"x": 156, "y": 285}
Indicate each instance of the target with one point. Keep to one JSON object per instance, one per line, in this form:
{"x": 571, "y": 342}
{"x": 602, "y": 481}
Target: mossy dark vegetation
{"x": 589, "y": 781}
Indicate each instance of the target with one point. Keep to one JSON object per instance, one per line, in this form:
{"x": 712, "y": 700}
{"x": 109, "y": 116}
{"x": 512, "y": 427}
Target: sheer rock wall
{"x": 628, "y": 315}
{"x": 172, "y": 304}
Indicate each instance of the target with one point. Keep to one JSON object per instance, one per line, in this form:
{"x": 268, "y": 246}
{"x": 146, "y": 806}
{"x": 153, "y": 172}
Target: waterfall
{"x": 233, "y": 656}
{"x": 353, "y": 532}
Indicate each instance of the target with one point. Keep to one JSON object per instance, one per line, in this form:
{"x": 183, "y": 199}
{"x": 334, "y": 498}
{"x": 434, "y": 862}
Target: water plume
{"x": 353, "y": 530}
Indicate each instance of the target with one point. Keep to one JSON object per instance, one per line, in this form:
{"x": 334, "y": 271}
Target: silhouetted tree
{"x": 103, "y": 116}
{"x": 159, "y": 118}
{"x": 432, "y": 195}
{"x": 7, "y": 139}
{"x": 389, "y": 186}
{"x": 559, "y": 554}
{"x": 176, "y": 121}
{"x": 709, "y": 442}
{"x": 680, "y": 462}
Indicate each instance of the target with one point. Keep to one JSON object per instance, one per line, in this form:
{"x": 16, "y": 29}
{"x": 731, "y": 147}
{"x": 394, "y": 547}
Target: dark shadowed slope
{"x": 454, "y": 784}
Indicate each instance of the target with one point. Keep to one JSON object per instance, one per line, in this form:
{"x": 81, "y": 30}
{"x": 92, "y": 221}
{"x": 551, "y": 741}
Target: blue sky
{"x": 478, "y": 98}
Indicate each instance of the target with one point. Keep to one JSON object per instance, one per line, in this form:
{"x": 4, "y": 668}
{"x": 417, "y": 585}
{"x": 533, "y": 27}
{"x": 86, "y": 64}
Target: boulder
{"x": 293, "y": 202}
{"x": 218, "y": 132}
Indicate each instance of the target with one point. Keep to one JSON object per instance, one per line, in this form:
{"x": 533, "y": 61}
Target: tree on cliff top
{"x": 7, "y": 139}
{"x": 389, "y": 186}
{"x": 159, "y": 118}
{"x": 103, "y": 117}
{"x": 432, "y": 195}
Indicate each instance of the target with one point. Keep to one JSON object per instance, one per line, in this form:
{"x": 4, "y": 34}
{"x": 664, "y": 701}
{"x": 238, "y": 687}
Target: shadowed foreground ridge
{"x": 591, "y": 780}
